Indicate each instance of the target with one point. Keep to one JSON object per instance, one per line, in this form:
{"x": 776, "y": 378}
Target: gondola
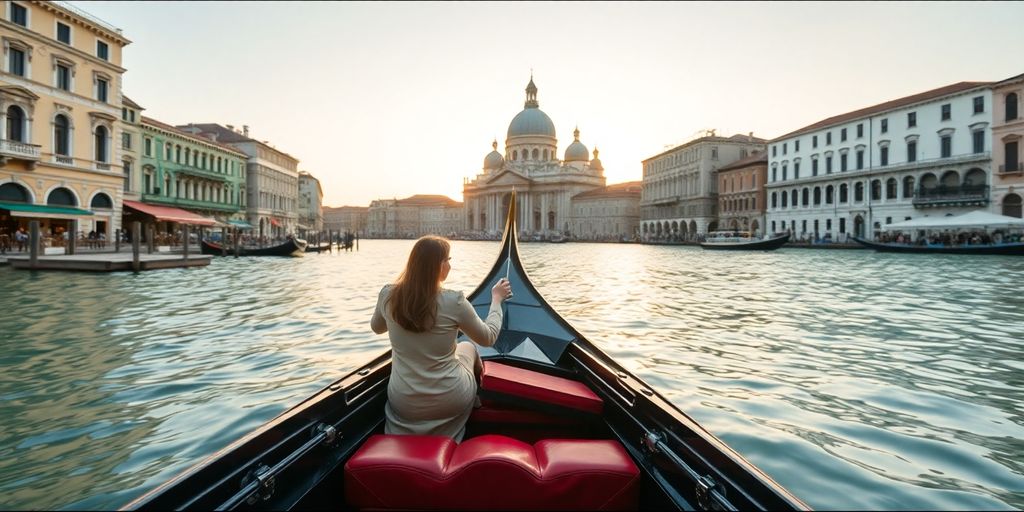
{"x": 561, "y": 426}
{"x": 318, "y": 247}
{"x": 727, "y": 243}
{"x": 290, "y": 247}
{"x": 1005, "y": 249}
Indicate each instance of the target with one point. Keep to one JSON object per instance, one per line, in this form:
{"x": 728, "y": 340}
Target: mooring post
{"x": 72, "y": 237}
{"x": 237, "y": 241}
{"x": 185, "y": 235}
{"x": 117, "y": 240}
{"x": 136, "y": 244}
{"x": 149, "y": 238}
{"x": 33, "y": 243}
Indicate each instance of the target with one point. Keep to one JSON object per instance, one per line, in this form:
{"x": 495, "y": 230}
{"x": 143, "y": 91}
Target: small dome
{"x": 595, "y": 163}
{"x": 531, "y": 121}
{"x": 576, "y": 152}
{"x": 494, "y": 160}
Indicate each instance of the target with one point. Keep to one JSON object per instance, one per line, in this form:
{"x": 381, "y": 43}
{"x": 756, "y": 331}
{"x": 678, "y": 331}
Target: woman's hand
{"x": 502, "y": 290}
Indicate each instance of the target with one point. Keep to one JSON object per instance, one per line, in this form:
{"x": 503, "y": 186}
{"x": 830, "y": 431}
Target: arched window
{"x": 61, "y": 135}
{"x": 775, "y": 174}
{"x": 515, "y": 154}
{"x": 14, "y": 193}
{"x": 1012, "y": 205}
{"x": 858, "y": 191}
{"x": 168, "y": 152}
{"x": 101, "y": 201}
{"x": 188, "y": 155}
{"x": 950, "y": 179}
{"x": 775, "y": 200}
{"x": 844, "y": 193}
{"x": 908, "y": 187}
{"x": 785, "y": 200}
{"x": 177, "y": 154}
{"x": 15, "y": 124}
{"x": 101, "y": 144}
{"x": 793, "y": 198}
{"x": 536, "y": 154}
{"x": 61, "y": 197}
{"x": 806, "y": 197}
{"x": 545, "y": 155}
{"x": 829, "y": 194}
{"x": 890, "y": 188}
{"x": 876, "y": 190}
{"x": 1011, "y": 107}
{"x": 817, "y": 196}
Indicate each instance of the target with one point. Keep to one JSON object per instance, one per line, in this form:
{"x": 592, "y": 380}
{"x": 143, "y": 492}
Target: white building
{"x": 680, "y": 189}
{"x": 414, "y": 216}
{"x": 311, "y": 197}
{"x": 544, "y": 184}
{"x": 609, "y": 213}
{"x": 923, "y": 155}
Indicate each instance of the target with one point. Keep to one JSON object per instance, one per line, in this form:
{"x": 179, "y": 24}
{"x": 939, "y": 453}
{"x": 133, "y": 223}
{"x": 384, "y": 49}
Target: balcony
{"x": 200, "y": 173}
{"x": 12, "y": 149}
{"x": 190, "y": 203}
{"x": 965, "y": 195}
{"x": 1017, "y": 168}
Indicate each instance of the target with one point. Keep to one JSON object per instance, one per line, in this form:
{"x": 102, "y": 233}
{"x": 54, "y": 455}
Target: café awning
{"x": 240, "y": 224}
{"x": 975, "y": 219}
{"x": 44, "y": 211}
{"x": 275, "y": 221}
{"x": 170, "y": 214}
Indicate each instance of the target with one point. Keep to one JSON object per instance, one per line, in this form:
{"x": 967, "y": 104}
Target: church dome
{"x": 531, "y": 121}
{"x": 595, "y": 163}
{"x": 576, "y": 152}
{"x": 494, "y": 160}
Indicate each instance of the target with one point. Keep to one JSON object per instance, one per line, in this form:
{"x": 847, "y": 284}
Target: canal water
{"x": 856, "y": 380}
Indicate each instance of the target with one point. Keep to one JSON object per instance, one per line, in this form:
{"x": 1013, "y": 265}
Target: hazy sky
{"x": 382, "y": 100}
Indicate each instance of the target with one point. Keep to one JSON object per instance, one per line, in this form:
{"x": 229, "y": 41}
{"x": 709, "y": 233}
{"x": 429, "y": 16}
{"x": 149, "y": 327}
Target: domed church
{"x": 544, "y": 184}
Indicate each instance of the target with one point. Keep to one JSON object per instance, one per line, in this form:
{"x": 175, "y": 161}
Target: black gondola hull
{"x": 1011, "y": 249}
{"x": 757, "y": 245}
{"x": 290, "y": 247}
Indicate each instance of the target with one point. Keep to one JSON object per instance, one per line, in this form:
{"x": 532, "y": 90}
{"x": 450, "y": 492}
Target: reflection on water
{"x": 854, "y": 379}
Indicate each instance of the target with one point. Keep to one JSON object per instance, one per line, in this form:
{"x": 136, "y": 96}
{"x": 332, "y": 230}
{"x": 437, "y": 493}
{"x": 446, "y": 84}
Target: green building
{"x": 192, "y": 172}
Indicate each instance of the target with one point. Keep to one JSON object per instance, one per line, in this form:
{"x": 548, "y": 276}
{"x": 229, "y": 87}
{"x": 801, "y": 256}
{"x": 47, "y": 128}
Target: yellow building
{"x": 60, "y": 102}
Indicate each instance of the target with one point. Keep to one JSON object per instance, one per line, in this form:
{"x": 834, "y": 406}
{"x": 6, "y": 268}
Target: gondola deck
{"x": 299, "y": 459}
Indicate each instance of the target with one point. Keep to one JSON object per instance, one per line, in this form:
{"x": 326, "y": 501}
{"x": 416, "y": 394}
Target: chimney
{"x": 245, "y": 130}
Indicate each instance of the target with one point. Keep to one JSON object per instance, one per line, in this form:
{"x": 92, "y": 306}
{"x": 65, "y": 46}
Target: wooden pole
{"x": 237, "y": 242}
{"x": 72, "y": 237}
{"x": 117, "y": 240}
{"x": 136, "y": 244}
{"x": 149, "y": 238}
{"x": 33, "y": 243}
{"x": 185, "y": 236}
{"x": 223, "y": 242}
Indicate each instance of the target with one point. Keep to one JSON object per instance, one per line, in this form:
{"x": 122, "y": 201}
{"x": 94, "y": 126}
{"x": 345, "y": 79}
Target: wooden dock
{"x": 108, "y": 262}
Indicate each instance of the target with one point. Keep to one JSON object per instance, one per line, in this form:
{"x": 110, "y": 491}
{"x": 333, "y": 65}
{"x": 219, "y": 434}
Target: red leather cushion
{"x": 509, "y": 380}
{"x": 490, "y": 472}
{"x": 493, "y": 412}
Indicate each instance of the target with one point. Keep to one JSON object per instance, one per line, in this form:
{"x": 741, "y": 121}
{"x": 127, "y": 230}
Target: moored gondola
{"x": 733, "y": 241}
{"x": 318, "y": 247}
{"x": 1002, "y": 249}
{"x": 562, "y": 426}
{"x": 290, "y": 247}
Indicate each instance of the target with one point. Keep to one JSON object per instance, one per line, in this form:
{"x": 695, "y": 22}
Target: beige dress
{"x": 432, "y": 387}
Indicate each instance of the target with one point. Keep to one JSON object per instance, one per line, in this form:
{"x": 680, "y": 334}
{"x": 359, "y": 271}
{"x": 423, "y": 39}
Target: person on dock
{"x": 434, "y": 380}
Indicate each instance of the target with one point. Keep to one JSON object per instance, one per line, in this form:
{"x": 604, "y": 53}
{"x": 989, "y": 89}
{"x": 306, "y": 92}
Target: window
{"x": 149, "y": 147}
{"x": 102, "y": 50}
{"x": 814, "y": 141}
{"x": 829, "y": 191}
{"x": 842, "y": 225}
{"x": 714, "y": 155}
{"x": 978, "y": 138}
{"x": 15, "y": 122}
{"x": 796, "y": 171}
{"x": 16, "y": 61}
{"x": 860, "y": 160}
{"x": 61, "y": 135}
{"x": 101, "y": 90}
{"x": 828, "y": 138}
{"x": 814, "y": 167}
{"x": 979, "y": 104}
{"x": 828, "y": 224}
{"x": 890, "y": 189}
{"x": 775, "y": 174}
{"x": 1012, "y": 162}
{"x": 876, "y": 190}
{"x": 908, "y": 187}
{"x": 945, "y": 112}
{"x": 19, "y": 14}
{"x": 784, "y": 148}
{"x": 911, "y": 119}
{"x": 784, "y": 173}
{"x": 947, "y": 145}
{"x": 63, "y": 77}
{"x": 775, "y": 150}
{"x": 828, "y": 165}
{"x": 126, "y": 141}
{"x": 796, "y": 145}
{"x": 127, "y": 165}
{"x": 843, "y": 193}
{"x": 775, "y": 200}
{"x": 63, "y": 33}
{"x": 101, "y": 144}
{"x": 817, "y": 196}
{"x": 912, "y": 151}
{"x": 842, "y": 135}
{"x": 883, "y": 155}
{"x": 885, "y": 125}
{"x": 858, "y": 192}
{"x": 1011, "y": 106}
{"x": 842, "y": 162}
{"x": 860, "y": 130}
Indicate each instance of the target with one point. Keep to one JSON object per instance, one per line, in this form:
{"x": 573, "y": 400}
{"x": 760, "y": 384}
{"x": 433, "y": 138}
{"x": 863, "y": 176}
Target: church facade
{"x": 544, "y": 185}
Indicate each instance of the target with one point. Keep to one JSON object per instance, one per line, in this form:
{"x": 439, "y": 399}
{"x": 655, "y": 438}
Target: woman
{"x": 433, "y": 382}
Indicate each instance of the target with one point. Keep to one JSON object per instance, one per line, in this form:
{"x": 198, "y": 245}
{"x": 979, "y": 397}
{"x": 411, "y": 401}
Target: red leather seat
{"x": 502, "y": 381}
{"x": 490, "y": 472}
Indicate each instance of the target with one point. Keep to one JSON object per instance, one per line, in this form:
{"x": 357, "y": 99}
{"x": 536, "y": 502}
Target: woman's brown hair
{"x": 413, "y": 299}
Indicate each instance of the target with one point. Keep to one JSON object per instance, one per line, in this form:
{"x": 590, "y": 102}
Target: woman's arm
{"x": 483, "y": 333}
{"x": 377, "y": 322}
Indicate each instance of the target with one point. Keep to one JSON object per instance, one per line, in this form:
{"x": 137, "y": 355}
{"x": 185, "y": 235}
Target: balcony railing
{"x": 18, "y": 149}
{"x": 943, "y": 195}
{"x": 1009, "y": 168}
